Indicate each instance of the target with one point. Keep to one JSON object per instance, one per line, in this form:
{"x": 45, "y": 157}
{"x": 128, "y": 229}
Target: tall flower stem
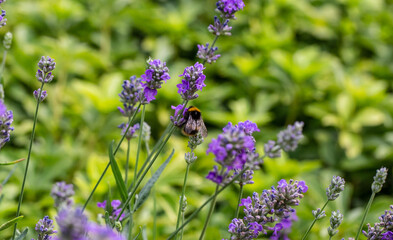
{"x": 114, "y": 154}
{"x": 2, "y": 66}
{"x": 195, "y": 213}
{"x": 239, "y": 200}
{"x": 313, "y": 222}
{"x": 370, "y": 201}
{"x": 139, "y": 142}
{"x": 212, "y": 205}
{"x": 28, "y": 159}
{"x": 182, "y": 194}
{"x": 127, "y": 162}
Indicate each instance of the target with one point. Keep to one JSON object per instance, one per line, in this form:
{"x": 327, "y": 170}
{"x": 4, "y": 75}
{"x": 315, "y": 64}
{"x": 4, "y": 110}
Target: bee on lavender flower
{"x": 194, "y": 123}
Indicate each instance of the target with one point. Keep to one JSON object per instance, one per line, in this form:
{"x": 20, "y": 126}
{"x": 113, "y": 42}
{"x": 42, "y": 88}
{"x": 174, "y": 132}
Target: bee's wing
{"x": 202, "y": 128}
{"x": 191, "y": 125}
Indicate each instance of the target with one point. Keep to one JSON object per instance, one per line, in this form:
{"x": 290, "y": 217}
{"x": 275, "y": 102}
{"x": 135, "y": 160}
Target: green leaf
{"x": 116, "y": 172}
{"x": 107, "y": 220}
{"x": 9, "y": 223}
{"x": 22, "y": 235}
{"x": 13, "y": 162}
{"x": 144, "y": 193}
{"x": 139, "y": 233}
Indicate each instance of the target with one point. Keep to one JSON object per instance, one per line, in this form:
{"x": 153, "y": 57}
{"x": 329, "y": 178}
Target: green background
{"x": 327, "y": 63}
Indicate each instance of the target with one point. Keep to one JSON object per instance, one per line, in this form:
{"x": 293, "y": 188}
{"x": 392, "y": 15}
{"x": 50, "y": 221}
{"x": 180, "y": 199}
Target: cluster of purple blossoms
{"x": 44, "y": 228}
{"x": 98, "y": 232}
{"x": 287, "y": 140}
{"x": 282, "y": 229}
{"x": 192, "y": 82}
{"x": 6, "y": 119}
{"x": 219, "y": 28}
{"x": 62, "y": 194}
{"x": 131, "y": 130}
{"x": 129, "y": 96}
{"x": 233, "y": 149}
{"x": 3, "y": 20}
{"x": 383, "y": 229}
{"x": 155, "y": 74}
{"x": 72, "y": 224}
{"x": 37, "y": 96}
{"x": 178, "y": 119}
{"x": 46, "y": 66}
{"x": 207, "y": 54}
{"x": 228, "y": 8}
{"x": 271, "y": 206}
{"x": 115, "y": 211}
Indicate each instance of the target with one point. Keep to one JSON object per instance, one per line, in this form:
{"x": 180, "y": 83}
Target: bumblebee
{"x": 194, "y": 123}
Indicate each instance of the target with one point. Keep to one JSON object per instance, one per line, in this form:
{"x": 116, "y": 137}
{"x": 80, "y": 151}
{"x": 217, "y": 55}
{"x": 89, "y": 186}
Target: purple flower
{"x": 115, "y": 211}
{"x": 178, "y": 119}
{"x": 155, "y": 74}
{"x": 220, "y": 28}
{"x": 131, "y": 131}
{"x": 387, "y": 235}
{"x": 72, "y": 224}
{"x": 285, "y": 224}
{"x": 228, "y": 8}
{"x": 62, "y": 194}
{"x": 272, "y": 150}
{"x": 44, "y": 228}
{"x": 273, "y": 205}
{"x": 6, "y": 119}
{"x": 46, "y": 66}
{"x": 288, "y": 139}
{"x": 97, "y": 232}
{"x": 3, "y": 20}
{"x": 207, "y": 54}
{"x": 129, "y": 96}
{"x": 335, "y": 188}
{"x": 192, "y": 82}
{"x": 36, "y": 94}
{"x": 382, "y": 229}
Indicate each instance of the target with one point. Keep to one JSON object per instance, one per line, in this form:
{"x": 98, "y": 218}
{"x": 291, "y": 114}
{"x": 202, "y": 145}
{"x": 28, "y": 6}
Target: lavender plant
{"x": 383, "y": 229}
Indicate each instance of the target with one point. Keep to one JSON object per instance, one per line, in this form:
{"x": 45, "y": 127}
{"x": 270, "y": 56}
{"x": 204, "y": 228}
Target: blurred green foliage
{"x": 327, "y": 63}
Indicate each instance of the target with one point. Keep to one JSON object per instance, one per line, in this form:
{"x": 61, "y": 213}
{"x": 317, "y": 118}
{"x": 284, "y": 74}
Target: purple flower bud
{"x": 288, "y": 139}
{"x": 207, "y": 54}
{"x": 6, "y": 119}
{"x": 98, "y": 232}
{"x": 72, "y": 224}
{"x": 62, "y": 194}
{"x": 218, "y": 28}
{"x": 115, "y": 211}
{"x": 192, "y": 82}
{"x": 228, "y": 8}
{"x": 131, "y": 131}
{"x": 272, "y": 150}
{"x": 155, "y": 74}
{"x": 44, "y": 228}
{"x": 3, "y": 20}
{"x": 36, "y": 94}
{"x": 178, "y": 119}
{"x": 379, "y": 179}
{"x": 129, "y": 96}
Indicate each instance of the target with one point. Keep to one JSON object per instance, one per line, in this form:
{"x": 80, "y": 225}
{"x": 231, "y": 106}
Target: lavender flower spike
{"x": 383, "y": 229}
{"x": 62, "y": 194}
{"x": 178, "y": 119}
{"x": 288, "y": 139}
{"x": 155, "y": 74}
{"x": 207, "y": 54}
{"x": 97, "y": 232}
{"x": 72, "y": 224}
{"x": 36, "y": 94}
{"x": 192, "y": 82}
{"x": 228, "y": 8}
{"x": 379, "y": 179}
{"x": 335, "y": 188}
{"x": 44, "y": 228}
{"x": 3, "y": 20}
{"x": 335, "y": 221}
{"x": 6, "y": 119}
{"x": 131, "y": 131}
{"x": 220, "y": 28}
{"x": 129, "y": 96}
{"x": 46, "y": 66}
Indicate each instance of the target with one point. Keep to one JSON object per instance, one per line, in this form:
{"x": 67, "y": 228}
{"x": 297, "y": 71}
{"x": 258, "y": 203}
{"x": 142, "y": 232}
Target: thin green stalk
{"x": 313, "y": 222}
{"x": 127, "y": 162}
{"x": 114, "y": 154}
{"x": 195, "y": 213}
{"x": 182, "y": 194}
{"x": 131, "y": 220}
{"x": 239, "y": 200}
{"x": 153, "y": 192}
{"x": 182, "y": 221}
{"x": 330, "y": 237}
{"x": 131, "y": 195}
{"x": 28, "y": 158}
{"x": 2, "y": 67}
{"x": 370, "y": 201}
{"x": 209, "y": 214}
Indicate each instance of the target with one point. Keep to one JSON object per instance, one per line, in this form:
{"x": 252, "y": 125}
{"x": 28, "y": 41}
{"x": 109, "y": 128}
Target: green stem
{"x": 330, "y": 237}
{"x": 209, "y": 214}
{"x": 182, "y": 195}
{"x": 114, "y": 154}
{"x": 182, "y": 221}
{"x": 2, "y": 67}
{"x": 239, "y": 200}
{"x": 28, "y": 158}
{"x": 131, "y": 195}
{"x": 313, "y": 222}
{"x": 153, "y": 192}
{"x": 370, "y": 201}
{"x": 139, "y": 142}
{"x": 127, "y": 161}
{"x": 195, "y": 213}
